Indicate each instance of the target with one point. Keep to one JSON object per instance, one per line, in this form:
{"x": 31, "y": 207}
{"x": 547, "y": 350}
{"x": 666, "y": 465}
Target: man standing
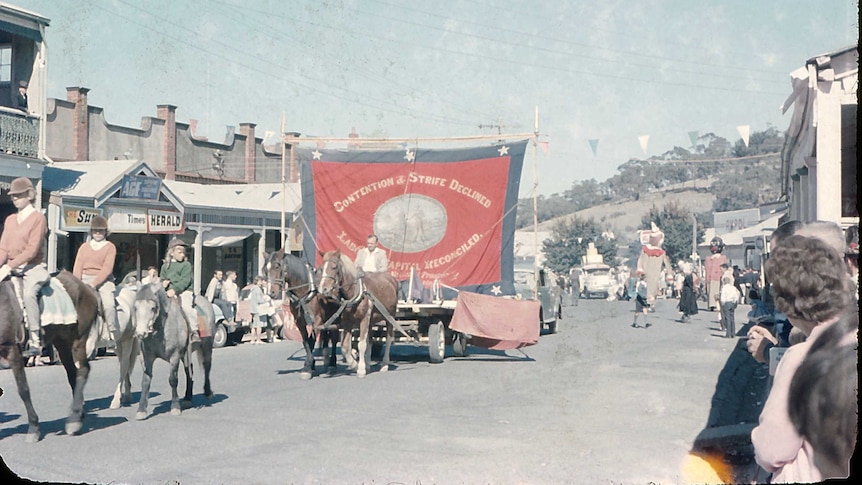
{"x": 371, "y": 258}
{"x": 20, "y": 101}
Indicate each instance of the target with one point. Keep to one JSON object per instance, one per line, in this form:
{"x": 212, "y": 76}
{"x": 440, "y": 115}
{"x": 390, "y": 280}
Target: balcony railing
{"x": 19, "y": 133}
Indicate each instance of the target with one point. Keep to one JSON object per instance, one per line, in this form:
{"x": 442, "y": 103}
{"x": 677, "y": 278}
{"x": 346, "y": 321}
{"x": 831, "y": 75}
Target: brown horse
{"x": 339, "y": 284}
{"x": 291, "y": 279}
{"x": 70, "y": 341}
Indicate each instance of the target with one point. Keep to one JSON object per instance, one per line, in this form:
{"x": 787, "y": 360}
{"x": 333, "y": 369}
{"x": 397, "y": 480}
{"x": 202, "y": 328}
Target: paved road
{"x": 598, "y": 402}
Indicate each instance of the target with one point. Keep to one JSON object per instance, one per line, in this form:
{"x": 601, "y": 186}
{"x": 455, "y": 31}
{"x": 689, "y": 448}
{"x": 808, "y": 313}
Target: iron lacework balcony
{"x": 19, "y": 133}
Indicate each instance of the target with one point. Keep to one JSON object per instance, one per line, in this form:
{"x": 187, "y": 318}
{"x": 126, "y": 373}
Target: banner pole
{"x": 535, "y": 206}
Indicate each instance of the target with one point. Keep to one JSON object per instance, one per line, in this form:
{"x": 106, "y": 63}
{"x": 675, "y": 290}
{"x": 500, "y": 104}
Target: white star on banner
{"x": 504, "y": 150}
{"x": 316, "y": 154}
{"x": 410, "y": 156}
{"x": 496, "y": 290}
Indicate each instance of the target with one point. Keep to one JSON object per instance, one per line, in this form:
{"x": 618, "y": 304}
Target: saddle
{"x": 55, "y": 304}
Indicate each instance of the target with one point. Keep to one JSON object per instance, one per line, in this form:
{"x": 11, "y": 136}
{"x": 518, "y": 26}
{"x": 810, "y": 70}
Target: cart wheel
{"x": 459, "y": 345}
{"x": 436, "y": 342}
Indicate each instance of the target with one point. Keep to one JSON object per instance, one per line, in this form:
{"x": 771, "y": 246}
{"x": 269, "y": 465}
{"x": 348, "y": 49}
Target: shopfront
{"x": 142, "y": 212}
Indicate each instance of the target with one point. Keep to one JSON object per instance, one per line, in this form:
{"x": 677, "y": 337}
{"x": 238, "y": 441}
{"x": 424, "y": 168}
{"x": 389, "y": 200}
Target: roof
{"x": 258, "y": 197}
{"x": 98, "y": 180}
{"x": 736, "y": 238}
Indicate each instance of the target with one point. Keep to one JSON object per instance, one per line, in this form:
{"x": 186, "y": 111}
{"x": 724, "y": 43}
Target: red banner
{"x": 445, "y": 219}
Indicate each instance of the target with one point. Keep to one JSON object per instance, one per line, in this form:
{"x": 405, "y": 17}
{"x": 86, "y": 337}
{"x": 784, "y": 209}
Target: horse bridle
{"x": 289, "y": 290}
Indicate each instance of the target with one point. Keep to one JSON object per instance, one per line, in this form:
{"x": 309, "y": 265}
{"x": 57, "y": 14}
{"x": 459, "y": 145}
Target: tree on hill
{"x": 570, "y": 240}
{"x": 675, "y": 222}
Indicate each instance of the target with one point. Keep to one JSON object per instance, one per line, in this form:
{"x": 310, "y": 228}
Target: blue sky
{"x": 597, "y": 69}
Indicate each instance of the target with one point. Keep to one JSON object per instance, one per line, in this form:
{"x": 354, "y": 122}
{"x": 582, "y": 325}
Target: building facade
{"x": 819, "y": 155}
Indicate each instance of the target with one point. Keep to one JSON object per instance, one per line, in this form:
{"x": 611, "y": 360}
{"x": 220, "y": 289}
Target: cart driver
{"x": 371, "y": 258}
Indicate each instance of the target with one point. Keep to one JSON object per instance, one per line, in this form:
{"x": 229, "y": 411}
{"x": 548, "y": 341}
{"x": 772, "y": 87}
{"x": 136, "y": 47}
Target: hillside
{"x": 624, "y": 218}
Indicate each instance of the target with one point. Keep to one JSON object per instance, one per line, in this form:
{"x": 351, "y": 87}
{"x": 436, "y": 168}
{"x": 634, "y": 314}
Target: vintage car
{"x": 549, "y": 293}
{"x": 597, "y": 281}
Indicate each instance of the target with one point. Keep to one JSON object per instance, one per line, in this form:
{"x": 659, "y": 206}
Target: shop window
{"x": 849, "y": 207}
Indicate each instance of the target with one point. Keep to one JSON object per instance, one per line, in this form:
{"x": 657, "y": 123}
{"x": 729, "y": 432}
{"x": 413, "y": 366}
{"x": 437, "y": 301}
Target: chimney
{"x": 168, "y": 113}
{"x": 247, "y": 130}
{"x": 80, "y": 123}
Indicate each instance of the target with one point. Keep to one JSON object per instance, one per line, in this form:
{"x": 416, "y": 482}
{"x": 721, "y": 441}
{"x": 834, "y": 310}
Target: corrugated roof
{"x": 736, "y": 238}
{"x": 260, "y": 197}
{"x": 84, "y": 179}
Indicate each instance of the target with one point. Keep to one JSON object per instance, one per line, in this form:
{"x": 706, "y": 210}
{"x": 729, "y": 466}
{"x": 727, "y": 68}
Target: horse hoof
{"x": 176, "y": 412}
{"x": 360, "y": 375}
{"x": 115, "y": 404}
{"x": 209, "y": 395}
{"x": 73, "y": 427}
{"x": 141, "y": 415}
{"x": 330, "y": 371}
{"x": 384, "y": 368}
{"x": 33, "y": 437}
{"x": 305, "y": 375}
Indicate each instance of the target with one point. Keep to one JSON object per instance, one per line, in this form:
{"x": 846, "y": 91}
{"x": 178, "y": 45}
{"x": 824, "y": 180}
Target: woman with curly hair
{"x": 812, "y": 287}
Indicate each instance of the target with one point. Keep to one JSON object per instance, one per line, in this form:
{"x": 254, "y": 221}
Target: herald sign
{"x": 164, "y": 222}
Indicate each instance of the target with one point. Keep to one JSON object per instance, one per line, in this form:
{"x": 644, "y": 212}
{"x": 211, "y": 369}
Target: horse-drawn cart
{"x": 420, "y": 323}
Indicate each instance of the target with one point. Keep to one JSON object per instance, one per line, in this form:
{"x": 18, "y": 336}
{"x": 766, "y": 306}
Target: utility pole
{"x": 498, "y": 125}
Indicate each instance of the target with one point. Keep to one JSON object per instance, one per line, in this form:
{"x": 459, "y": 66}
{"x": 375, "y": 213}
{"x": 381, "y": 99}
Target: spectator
{"x": 851, "y": 254}
{"x": 20, "y": 98}
{"x": 230, "y": 291}
{"x": 822, "y": 397}
{"x": 256, "y": 307}
{"x": 760, "y": 339}
{"x": 641, "y": 303}
{"x": 215, "y": 288}
{"x": 152, "y": 276}
{"x": 687, "y": 297}
{"x": 813, "y": 289}
{"x": 729, "y": 299}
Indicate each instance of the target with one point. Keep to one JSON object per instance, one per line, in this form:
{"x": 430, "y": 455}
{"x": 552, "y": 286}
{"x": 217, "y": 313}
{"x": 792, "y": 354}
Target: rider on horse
{"x": 94, "y": 265}
{"x": 176, "y": 275}
{"x": 21, "y": 255}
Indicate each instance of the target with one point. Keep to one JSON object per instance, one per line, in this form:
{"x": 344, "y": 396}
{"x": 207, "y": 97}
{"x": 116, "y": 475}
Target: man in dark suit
{"x": 20, "y": 101}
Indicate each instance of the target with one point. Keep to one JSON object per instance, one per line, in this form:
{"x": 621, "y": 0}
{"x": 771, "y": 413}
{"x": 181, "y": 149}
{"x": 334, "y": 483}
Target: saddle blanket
{"x": 57, "y": 306}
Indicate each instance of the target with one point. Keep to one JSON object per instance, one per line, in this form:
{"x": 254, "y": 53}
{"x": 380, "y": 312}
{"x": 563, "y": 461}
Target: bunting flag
{"x": 644, "y": 140}
{"x": 545, "y": 146}
{"x": 594, "y": 144}
{"x": 693, "y": 136}
{"x": 446, "y": 213}
{"x": 744, "y": 132}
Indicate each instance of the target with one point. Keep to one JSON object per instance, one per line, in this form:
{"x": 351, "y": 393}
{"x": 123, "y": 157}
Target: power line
{"x": 554, "y": 51}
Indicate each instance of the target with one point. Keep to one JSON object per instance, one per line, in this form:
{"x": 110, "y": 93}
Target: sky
{"x": 614, "y": 71}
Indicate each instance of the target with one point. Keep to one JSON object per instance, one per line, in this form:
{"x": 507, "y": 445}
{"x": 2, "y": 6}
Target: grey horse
{"x": 160, "y": 324}
{"x": 127, "y": 346}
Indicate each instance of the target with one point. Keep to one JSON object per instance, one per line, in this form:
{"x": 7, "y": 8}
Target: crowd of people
{"x": 807, "y": 428}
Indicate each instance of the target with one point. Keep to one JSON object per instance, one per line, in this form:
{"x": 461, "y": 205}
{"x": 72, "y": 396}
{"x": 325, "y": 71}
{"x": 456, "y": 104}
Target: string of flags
{"x": 743, "y": 130}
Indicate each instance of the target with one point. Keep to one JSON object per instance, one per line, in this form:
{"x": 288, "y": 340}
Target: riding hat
{"x": 176, "y": 242}
{"x": 21, "y": 185}
{"x": 98, "y": 222}
{"x": 24, "y": 84}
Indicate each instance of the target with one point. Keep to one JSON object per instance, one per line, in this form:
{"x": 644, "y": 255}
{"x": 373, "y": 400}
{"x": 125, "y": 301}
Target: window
{"x": 5, "y": 63}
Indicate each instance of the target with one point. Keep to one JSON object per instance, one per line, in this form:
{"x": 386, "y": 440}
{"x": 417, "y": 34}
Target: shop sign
{"x": 77, "y": 219}
{"x": 127, "y": 220}
{"x": 232, "y": 253}
{"x": 164, "y": 222}
{"x": 140, "y": 187}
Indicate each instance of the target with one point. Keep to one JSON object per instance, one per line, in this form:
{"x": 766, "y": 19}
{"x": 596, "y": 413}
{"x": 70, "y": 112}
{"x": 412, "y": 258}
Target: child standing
{"x": 258, "y": 316}
{"x": 641, "y": 305}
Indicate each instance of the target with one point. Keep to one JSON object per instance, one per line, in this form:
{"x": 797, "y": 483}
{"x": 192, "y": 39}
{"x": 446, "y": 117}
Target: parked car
{"x": 549, "y": 293}
{"x": 597, "y": 280}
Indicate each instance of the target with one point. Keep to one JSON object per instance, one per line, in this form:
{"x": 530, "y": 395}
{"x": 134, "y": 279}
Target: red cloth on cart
{"x": 495, "y": 322}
